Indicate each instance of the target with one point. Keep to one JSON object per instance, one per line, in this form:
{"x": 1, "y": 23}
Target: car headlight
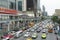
{"x": 43, "y": 36}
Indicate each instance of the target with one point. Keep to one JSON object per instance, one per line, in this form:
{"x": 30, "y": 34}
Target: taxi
{"x": 43, "y": 36}
{"x": 29, "y": 38}
{"x": 34, "y": 35}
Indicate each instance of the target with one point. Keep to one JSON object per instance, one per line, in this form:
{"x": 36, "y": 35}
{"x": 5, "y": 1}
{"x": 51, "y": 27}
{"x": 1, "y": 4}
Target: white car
{"x": 40, "y": 28}
{"x": 34, "y": 35}
{"x": 32, "y": 30}
{"x": 18, "y": 33}
{"x": 43, "y": 31}
{"x": 27, "y": 34}
{"x": 12, "y": 33}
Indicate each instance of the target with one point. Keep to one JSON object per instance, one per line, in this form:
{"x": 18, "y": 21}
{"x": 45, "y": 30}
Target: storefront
{"x": 4, "y": 17}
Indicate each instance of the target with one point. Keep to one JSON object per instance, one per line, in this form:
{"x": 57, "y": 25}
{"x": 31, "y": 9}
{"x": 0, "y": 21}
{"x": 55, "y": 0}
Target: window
{"x": 11, "y": 5}
{"x": 30, "y": 5}
{"x": 20, "y": 5}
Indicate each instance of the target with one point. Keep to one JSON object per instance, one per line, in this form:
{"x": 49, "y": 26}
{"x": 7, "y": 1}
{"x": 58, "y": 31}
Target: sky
{"x": 50, "y": 5}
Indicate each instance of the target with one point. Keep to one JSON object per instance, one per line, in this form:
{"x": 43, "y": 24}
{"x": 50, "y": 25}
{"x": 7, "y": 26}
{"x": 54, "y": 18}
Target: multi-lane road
{"x": 50, "y": 36}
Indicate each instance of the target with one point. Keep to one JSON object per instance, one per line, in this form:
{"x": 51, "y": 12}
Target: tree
{"x": 58, "y": 21}
{"x": 59, "y": 26}
{"x": 54, "y": 19}
{"x": 42, "y": 18}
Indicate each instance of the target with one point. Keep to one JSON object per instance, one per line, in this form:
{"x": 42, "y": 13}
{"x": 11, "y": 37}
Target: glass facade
{"x": 4, "y": 3}
{"x": 20, "y": 5}
{"x": 29, "y": 5}
{"x": 11, "y": 6}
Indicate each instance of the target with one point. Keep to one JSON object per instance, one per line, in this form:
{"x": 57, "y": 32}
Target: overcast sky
{"x": 50, "y": 5}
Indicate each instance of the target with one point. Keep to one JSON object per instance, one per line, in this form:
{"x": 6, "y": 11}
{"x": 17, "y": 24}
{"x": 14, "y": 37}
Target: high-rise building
{"x": 44, "y": 13}
{"x": 4, "y": 3}
{"x": 19, "y": 5}
{"x": 30, "y": 5}
{"x": 43, "y": 7}
{"x": 38, "y": 5}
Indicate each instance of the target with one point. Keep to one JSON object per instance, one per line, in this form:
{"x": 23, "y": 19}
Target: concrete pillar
{"x": 17, "y": 5}
{"x": 8, "y": 4}
{"x": 24, "y": 5}
{"x": 9, "y": 26}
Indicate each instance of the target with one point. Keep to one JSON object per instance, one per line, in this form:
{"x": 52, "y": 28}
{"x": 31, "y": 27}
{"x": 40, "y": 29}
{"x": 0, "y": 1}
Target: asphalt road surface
{"x": 50, "y": 36}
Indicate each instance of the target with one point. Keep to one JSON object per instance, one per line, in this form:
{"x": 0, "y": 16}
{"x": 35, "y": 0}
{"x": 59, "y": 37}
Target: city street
{"x": 50, "y": 36}
{"x": 29, "y": 20}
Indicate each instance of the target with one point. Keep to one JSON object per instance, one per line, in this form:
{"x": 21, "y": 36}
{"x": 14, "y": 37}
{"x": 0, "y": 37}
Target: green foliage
{"x": 54, "y": 18}
{"x": 42, "y": 18}
{"x": 58, "y": 21}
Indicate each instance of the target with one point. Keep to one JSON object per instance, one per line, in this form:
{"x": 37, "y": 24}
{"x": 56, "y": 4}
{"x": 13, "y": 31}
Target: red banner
{"x": 7, "y": 11}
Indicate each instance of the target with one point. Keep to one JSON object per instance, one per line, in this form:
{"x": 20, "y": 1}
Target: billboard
{"x": 7, "y": 11}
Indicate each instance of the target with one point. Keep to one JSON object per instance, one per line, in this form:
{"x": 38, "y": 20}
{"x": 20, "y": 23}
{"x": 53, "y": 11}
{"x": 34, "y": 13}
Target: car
{"x": 28, "y": 30}
{"x": 29, "y": 38}
{"x": 38, "y": 30}
{"x": 12, "y": 33}
{"x": 35, "y": 28}
{"x": 43, "y": 31}
{"x": 43, "y": 36}
{"x": 4, "y": 35}
{"x": 18, "y": 34}
{"x": 50, "y": 30}
{"x": 32, "y": 30}
{"x": 27, "y": 34}
{"x": 34, "y": 35}
{"x": 7, "y": 37}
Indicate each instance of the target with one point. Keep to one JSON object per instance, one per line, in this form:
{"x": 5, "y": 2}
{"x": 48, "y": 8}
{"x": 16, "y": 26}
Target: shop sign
{"x": 7, "y": 11}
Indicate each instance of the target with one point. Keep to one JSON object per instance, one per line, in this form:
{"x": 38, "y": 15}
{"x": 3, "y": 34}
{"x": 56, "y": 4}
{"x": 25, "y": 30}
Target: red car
{"x": 8, "y": 36}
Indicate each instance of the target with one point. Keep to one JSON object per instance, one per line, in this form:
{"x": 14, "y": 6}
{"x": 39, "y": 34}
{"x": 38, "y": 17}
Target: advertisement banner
{"x": 7, "y": 11}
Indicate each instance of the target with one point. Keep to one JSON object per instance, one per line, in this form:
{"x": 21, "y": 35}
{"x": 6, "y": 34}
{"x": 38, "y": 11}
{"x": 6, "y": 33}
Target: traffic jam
{"x": 29, "y": 34}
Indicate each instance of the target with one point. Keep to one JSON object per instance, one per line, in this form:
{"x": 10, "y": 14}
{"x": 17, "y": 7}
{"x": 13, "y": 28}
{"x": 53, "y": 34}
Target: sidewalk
{"x": 0, "y": 35}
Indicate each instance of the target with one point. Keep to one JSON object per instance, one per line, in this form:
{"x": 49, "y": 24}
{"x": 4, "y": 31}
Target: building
{"x": 26, "y": 6}
{"x": 44, "y": 13}
{"x": 57, "y": 12}
{"x": 43, "y": 7}
{"x": 4, "y": 3}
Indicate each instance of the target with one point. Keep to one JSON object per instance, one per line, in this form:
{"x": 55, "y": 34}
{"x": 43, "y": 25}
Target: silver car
{"x": 27, "y": 34}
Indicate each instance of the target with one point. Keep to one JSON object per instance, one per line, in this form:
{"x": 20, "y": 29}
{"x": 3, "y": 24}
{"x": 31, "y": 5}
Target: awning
{"x": 7, "y": 11}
